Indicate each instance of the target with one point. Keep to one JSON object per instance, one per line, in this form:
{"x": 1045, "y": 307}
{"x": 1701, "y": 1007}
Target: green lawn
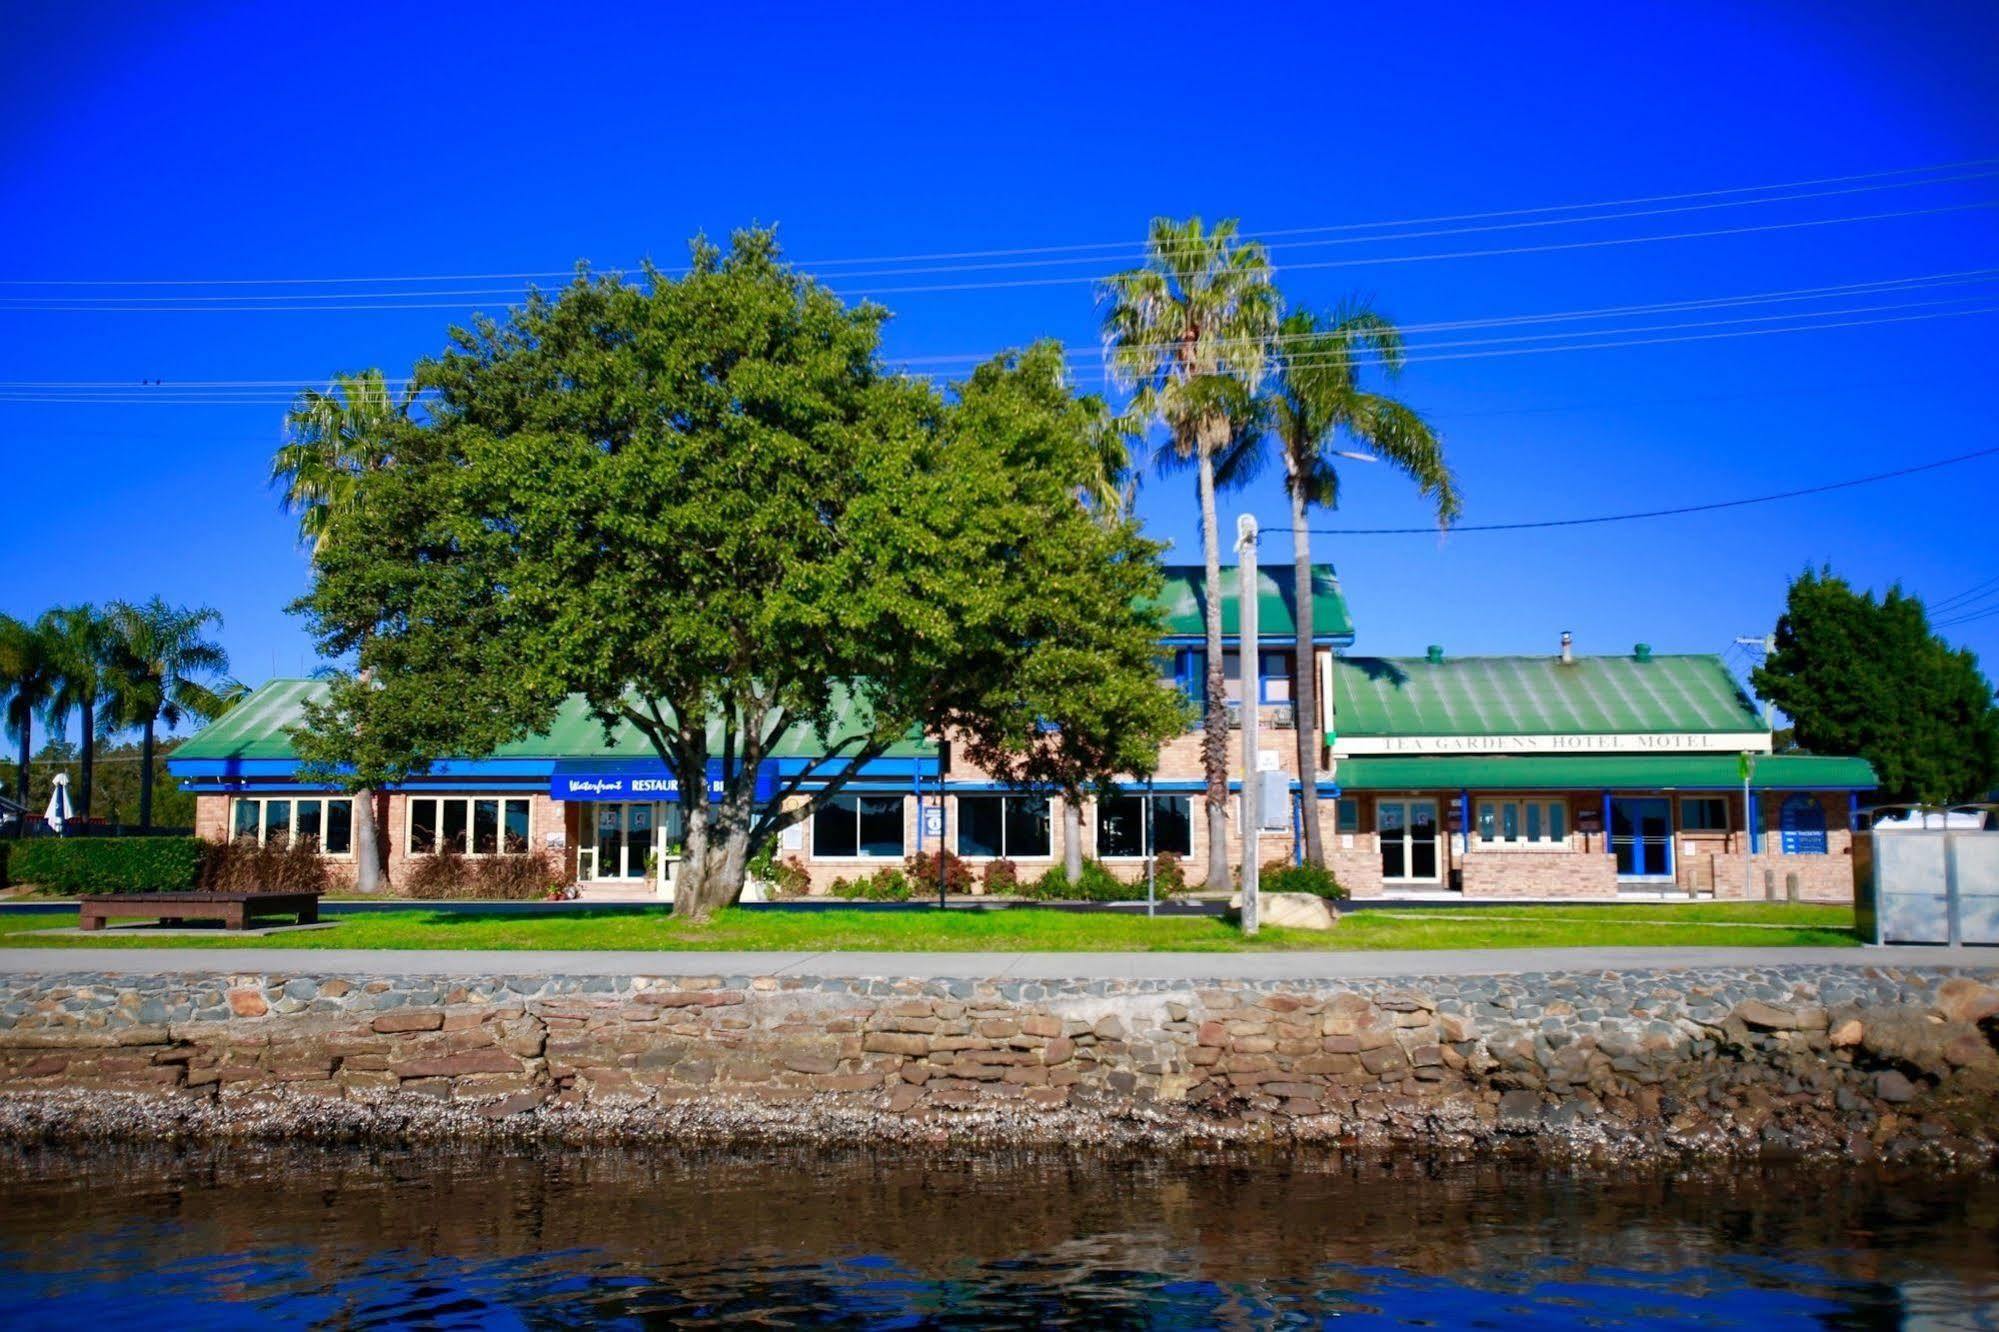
{"x": 1017, "y": 930}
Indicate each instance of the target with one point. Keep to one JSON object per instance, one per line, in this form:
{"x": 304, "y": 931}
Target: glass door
{"x": 1408, "y": 835}
{"x": 622, "y": 841}
{"x": 1641, "y": 837}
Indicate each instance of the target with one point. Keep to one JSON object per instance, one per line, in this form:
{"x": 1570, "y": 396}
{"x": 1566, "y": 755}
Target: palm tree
{"x": 26, "y": 681}
{"x": 1316, "y": 400}
{"x": 156, "y": 651}
{"x": 331, "y": 440}
{"x": 1190, "y": 332}
{"x": 78, "y": 640}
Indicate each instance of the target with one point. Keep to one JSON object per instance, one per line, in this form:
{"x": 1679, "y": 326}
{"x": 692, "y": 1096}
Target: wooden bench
{"x": 234, "y": 910}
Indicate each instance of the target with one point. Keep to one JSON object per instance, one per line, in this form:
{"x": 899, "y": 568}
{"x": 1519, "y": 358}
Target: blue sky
{"x": 269, "y": 141}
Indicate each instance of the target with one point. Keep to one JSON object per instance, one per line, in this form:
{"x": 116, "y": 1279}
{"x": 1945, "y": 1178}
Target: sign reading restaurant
{"x": 1727, "y": 742}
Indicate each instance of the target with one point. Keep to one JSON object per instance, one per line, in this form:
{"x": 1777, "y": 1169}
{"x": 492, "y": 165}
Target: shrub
{"x": 888, "y": 884}
{"x": 922, "y": 868}
{"x": 1001, "y": 878}
{"x": 1094, "y": 884}
{"x": 789, "y": 878}
{"x": 447, "y": 874}
{"x": 109, "y": 864}
{"x": 244, "y": 867}
{"x": 1169, "y": 876}
{"x": 1281, "y": 876}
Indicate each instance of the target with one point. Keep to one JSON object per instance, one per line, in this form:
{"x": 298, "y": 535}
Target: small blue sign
{"x": 933, "y": 820}
{"x": 639, "y": 779}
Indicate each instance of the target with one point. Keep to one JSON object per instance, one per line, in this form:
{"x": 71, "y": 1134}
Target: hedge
{"x": 109, "y": 864}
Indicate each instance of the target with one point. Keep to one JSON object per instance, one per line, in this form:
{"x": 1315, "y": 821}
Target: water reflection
{"x": 644, "y": 1238}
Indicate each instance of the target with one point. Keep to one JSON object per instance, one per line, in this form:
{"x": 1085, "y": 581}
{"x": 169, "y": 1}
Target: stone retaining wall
{"x": 1844, "y": 1056}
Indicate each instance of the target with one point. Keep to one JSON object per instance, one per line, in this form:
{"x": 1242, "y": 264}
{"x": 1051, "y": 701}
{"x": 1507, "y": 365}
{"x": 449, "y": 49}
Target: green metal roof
{"x": 257, "y": 728}
{"x": 1183, "y": 602}
{"x": 1538, "y": 696}
{"x": 1607, "y": 772}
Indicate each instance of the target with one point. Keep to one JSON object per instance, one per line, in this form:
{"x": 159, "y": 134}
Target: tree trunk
{"x": 367, "y": 845}
{"x": 1307, "y": 692}
{"x": 146, "y": 779}
{"x": 21, "y": 773}
{"x": 1072, "y": 838}
{"x": 1215, "y": 736}
{"x": 89, "y": 755}
{"x": 718, "y": 845}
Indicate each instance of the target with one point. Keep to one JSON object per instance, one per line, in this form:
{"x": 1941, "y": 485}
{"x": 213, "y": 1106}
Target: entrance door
{"x": 622, "y": 842}
{"x": 1408, "y": 832}
{"x": 1641, "y": 837}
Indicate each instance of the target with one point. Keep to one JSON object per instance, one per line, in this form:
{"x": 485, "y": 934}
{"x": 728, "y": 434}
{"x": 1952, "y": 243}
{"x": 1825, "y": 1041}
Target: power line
{"x": 1977, "y": 592}
{"x": 1967, "y": 619}
{"x": 1665, "y": 513}
{"x": 1121, "y": 246}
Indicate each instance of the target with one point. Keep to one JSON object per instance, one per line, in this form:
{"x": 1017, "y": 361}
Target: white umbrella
{"x": 59, "y": 811}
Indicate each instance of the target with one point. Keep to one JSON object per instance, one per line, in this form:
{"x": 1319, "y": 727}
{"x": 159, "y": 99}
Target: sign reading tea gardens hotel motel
{"x": 1556, "y": 775}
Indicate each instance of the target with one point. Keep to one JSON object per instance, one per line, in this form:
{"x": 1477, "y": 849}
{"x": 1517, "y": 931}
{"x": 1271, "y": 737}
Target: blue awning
{"x": 639, "y": 779}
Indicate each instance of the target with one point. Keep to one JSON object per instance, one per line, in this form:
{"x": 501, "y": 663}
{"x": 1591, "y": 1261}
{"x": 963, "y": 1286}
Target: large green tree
{"x": 157, "y": 656}
{"x": 333, "y": 437}
{"x": 700, "y": 503}
{"x": 1317, "y": 400}
{"x": 1868, "y": 677}
{"x": 27, "y": 679}
{"x": 78, "y": 641}
{"x": 1190, "y": 332}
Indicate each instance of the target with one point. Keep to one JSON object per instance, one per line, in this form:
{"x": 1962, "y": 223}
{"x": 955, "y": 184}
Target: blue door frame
{"x": 1641, "y": 836}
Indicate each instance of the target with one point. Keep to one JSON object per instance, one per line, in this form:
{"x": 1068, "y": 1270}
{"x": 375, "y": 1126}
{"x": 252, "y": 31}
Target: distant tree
{"x": 1189, "y": 331}
{"x": 79, "y": 647}
{"x": 1316, "y": 400}
{"x": 332, "y": 439}
{"x": 157, "y": 656}
{"x": 27, "y": 679}
{"x": 1867, "y": 677}
{"x": 701, "y": 503}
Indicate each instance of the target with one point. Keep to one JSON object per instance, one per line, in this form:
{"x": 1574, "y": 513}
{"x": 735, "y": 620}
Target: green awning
{"x": 1602, "y": 772}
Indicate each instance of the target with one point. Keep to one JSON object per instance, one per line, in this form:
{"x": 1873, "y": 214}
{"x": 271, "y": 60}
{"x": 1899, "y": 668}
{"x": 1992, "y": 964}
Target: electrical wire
{"x": 1680, "y": 511}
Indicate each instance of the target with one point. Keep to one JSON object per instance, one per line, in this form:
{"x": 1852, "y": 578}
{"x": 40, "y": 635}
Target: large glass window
{"x": 857, "y": 825}
{"x": 1347, "y": 818}
{"x": 1003, "y": 825}
{"x": 1128, "y": 829}
{"x": 469, "y": 825}
{"x": 1522, "y": 822}
{"x": 1703, "y": 814}
{"x": 327, "y": 823}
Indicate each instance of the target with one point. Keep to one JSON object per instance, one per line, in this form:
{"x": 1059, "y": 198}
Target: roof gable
{"x": 1182, "y": 603}
{"x": 1538, "y": 696}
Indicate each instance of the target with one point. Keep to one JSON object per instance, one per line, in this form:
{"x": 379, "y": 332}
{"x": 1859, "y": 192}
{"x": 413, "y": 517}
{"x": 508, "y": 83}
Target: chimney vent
{"x": 1568, "y": 647}
{"x": 1642, "y": 651}
{"x": 1436, "y": 654}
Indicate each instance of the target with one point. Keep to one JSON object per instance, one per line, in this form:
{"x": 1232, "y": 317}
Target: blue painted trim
{"x": 1755, "y": 821}
{"x": 1266, "y": 640}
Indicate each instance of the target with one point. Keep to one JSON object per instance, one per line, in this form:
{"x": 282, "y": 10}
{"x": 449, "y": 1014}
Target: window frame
{"x": 1528, "y": 814}
{"x": 1006, "y": 851}
{"x": 1148, "y": 822}
{"x": 468, "y": 804}
{"x": 262, "y": 802}
{"x": 851, "y": 800}
{"x": 1727, "y": 824}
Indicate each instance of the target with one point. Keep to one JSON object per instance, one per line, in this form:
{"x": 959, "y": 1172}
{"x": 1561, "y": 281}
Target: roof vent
{"x": 1642, "y": 651}
{"x": 1436, "y": 654}
{"x": 1568, "y": 647}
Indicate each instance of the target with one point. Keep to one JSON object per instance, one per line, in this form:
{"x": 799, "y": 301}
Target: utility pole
{"x": 1247, "y": 672}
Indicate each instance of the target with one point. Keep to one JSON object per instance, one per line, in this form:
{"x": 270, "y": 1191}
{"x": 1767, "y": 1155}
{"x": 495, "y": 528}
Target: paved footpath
{"x": 1301, "y": 966}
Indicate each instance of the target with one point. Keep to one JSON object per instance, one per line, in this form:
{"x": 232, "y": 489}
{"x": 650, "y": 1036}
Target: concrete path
{"x": 1010, "y": 966}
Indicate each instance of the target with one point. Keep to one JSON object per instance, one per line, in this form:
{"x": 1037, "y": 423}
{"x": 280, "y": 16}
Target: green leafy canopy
{"x": 701, "y": 503}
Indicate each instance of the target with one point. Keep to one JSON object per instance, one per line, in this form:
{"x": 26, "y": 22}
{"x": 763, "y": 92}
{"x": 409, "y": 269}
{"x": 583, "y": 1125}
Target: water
{"x": 658, "y": 1237}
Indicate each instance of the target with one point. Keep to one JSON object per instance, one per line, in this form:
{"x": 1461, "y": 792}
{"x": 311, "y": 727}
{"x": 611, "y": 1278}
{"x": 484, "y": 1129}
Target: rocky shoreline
{"x": 1842, "y": 1060}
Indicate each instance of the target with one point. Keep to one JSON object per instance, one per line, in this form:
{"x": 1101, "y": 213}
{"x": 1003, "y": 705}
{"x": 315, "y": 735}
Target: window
{"x": 1273, "y": 676}
{"x": 1125, "y": 832}
{"x": 1003, "y": 825}
{"x": 1703, "y": 814}
{"x": 1347, "y": 818}
{"x": 326, "y": 823}
{"x": 469, "y": 825}
{"x": 1522, "y": 822}
{"x": 857, "y": 825}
